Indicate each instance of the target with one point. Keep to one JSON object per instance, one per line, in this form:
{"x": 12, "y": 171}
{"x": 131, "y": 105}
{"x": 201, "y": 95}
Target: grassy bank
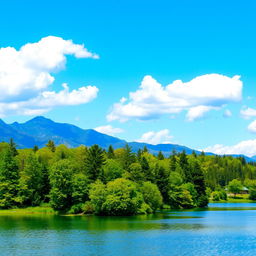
{"x": 238, "y": 199}
{"x": 28, "y": 211}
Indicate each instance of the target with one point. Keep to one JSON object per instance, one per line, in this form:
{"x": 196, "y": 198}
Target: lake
{"x": 222, "y": 229}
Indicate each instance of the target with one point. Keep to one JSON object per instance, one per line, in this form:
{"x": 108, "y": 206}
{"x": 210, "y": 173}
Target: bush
{"x": 145, "y": 209}
{"x": 215, "y": 196}
{"x": 223, "y": 195}
{"x": 88, "y": 208}
{"x": 202, "y": 201}
{"x": 180, "y": 198}
{"x": 152, "y": 195}
{"x": 76, "y": 208}
{"x": 252, "y": 194}
{"x": 118, "y": 197}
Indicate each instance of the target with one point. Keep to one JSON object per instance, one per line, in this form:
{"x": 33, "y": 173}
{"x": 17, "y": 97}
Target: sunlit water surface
{"x": 222, "y": 229}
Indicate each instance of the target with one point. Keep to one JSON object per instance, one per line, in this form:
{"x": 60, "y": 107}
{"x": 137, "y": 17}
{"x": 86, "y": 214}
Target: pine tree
{"x": 128, "y": 157}
{"x": 172, "y": 163}
{"x": 31, "y": 181}
{"x": 162, "y": 181}
{"x": 35, "y": 148}
{"x": 9, "y": 179}
{"x": 94, "y": 162}
{"x": 194, "y": 153}
{"x": 197, "y": 178}
{"x": 111, "y": 153}
{"x": 185, "y": 167}
{"x": 146, "y": 169}
{"x": 13, "y": 146}
{"x": 139, "y": 153}
{"x": 160, "y": 156}
{"x": 51, "y": 145}
{"x": 145, "y": 149}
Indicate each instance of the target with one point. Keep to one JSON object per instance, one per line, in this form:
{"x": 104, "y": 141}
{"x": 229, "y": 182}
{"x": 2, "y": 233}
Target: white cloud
{"x": 246, "y": 147}
{"x": 248, "y": 113}
{"x": 227, "y": 113}
{"x": 198, "y": 112}
{"x": 25, "y": 75}
{"x": 252, "y": 127}
{"x": 160, "y": 137}
{"x": 108, "y": 129}
{"x": 197, "y": 96}
{"x": 49, "y": 99}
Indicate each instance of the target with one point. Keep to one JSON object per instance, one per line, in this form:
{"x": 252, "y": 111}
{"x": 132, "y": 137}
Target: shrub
{"x": 252, "y": 194}
{"x": 76, "y": 208}
{"x": 215, "y": 196}
{"x": 88, "y": 208}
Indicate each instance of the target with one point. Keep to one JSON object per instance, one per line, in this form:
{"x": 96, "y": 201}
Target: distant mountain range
{"x": 39, "y": 130}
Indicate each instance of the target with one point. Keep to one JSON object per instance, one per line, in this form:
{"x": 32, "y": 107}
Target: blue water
{"x": 223, "y": 229}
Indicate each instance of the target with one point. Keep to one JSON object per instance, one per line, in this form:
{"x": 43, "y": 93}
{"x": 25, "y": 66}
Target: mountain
{"x": 43, "y": 130}
{"x": 39, "y": 130}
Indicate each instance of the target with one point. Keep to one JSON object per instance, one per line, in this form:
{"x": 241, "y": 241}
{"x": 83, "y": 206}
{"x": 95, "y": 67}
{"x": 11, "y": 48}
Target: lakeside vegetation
{"x": 115, "y": 182}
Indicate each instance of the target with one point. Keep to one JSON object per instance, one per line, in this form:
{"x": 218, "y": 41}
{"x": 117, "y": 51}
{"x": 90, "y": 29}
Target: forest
{"x": 92, "y": 180}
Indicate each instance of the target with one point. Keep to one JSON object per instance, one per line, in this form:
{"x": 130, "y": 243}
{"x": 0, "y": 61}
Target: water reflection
{"x": 218, "y": 230}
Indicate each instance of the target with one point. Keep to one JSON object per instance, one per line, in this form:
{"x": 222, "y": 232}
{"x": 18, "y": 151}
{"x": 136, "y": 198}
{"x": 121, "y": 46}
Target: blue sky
{"x": 166, "y": 40}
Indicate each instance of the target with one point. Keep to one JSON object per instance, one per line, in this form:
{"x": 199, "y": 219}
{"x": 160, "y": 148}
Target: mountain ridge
{"x": 39, "y": 130}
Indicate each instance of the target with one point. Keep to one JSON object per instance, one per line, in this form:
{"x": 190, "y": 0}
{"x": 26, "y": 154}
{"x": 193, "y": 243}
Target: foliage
{"x": 118, "y": 197}
{"x": 94, "y": 162}
{"x": 61, "y": 185}
{"x": 252, "y": 194}
{"x": 235, "y": 186}
{"x": 117, "y": 182}
{"x": 152, "y": 195}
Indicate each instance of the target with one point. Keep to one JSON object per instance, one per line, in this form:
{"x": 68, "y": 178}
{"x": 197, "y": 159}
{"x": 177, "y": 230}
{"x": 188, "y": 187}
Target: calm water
{"x": 223, "y": 229}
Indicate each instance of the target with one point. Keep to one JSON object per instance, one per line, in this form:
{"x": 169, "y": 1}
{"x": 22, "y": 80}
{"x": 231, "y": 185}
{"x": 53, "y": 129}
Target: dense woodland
{"x": 115, "y": 182}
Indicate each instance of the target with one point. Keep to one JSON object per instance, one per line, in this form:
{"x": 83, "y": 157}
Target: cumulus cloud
{"x": 197, "y": 96}
{"x": 108, "y": 129}
{"x": 248, "y": 113}
{"x": 227, "y": 113}
{"x": 246, "y": 147}
{"x": 160, "y": 137}
{"x": 198, "y": 112}
{"x": 49, "y": 99}
{"x": 25, "y": 75}
{"x": 252, "y": 127}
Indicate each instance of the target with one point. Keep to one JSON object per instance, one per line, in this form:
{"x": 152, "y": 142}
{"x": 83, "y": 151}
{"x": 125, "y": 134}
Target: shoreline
{"x": 47, "y": 210}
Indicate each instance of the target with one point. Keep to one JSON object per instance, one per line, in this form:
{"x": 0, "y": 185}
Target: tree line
{"x": 112, "y": 182}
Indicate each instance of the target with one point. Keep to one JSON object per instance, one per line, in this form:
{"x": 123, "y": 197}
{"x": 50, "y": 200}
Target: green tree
{"x": 80, "y": 188}
{"x": 111, "y": 152}
{"x": 128, "y": 157}
{"x": 180, "y": 198}
{"x": 197, "y": 178}
{"x": 135, "y": 173}
{"x": 35, "y": 148}
{"x": 61, "y": 185}
{"x": 13, "y": 146}
{"x": 252, "y": 193}
{"x": 97, "y": 195}
{"x": 112, "y": 169}
{"x": 162, "y": 181}
{"x": 51, "y": 145}
{"x": 235, "y": 186}
{"x": 94, "y": 162}
{"x": 146, "y": 169}
{"x": 172, "y": 163}
{"x": 31, "y": 181}
{"x": 152, "y": 195}
{"x": 160, "y": 156}
{"x": 122, "y": 198}
{"x": 9, "y": 179}
{"x": 183, "y": 162}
